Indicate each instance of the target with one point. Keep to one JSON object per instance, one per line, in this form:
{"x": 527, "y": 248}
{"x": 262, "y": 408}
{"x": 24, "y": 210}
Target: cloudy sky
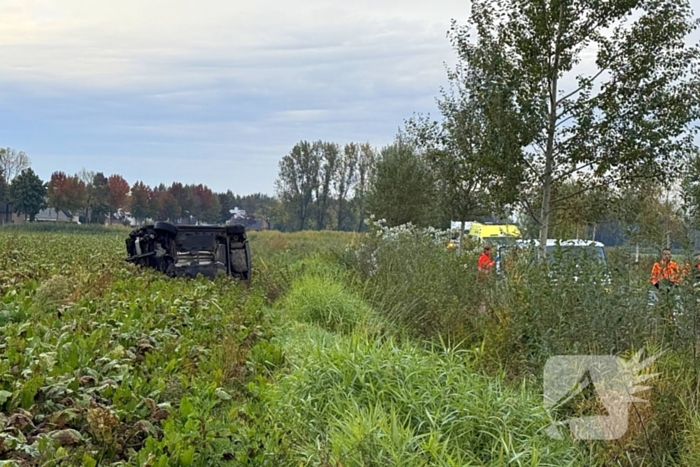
{"x": 212, "y": 91}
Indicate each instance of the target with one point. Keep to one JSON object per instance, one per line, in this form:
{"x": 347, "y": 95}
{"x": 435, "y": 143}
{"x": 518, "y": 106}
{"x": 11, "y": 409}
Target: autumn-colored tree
{"x": 76, "y": 193}
{"x": 118, "y": 193}
{"x": 202, "y": 203}
{"x": 57, "y": 191}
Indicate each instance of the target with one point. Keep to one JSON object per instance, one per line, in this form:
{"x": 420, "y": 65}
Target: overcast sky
{"x": 212, "y": 91}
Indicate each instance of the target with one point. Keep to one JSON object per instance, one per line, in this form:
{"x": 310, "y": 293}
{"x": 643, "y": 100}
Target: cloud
{"x": 145, "y": 87}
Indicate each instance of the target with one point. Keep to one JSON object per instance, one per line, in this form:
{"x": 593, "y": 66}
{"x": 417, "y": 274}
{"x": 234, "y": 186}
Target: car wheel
{"x": 165, "y": 228}
{"x": 250, "y": 263}
{"x": 235, "y": 229}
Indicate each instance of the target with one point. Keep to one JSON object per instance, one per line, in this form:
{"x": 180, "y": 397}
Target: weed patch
{"x": 326, "y": 302}
{"x": 355, "y": 401}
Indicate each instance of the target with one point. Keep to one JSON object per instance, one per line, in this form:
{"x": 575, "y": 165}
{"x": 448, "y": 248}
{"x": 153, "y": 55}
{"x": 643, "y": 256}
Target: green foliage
{"x": 28, "y": 194}
{"x": 314, "y": 182}
{"x": 403, "y": 188}
{"x": 629, "y": 119}
{"x": 360, "y": 402}
{"x": 99, "y": 198}
{"x": 298, "y": 180}
{"x": 108, "y": 363}
{"x": 139, "y": 204}
{"x": 318, "y": 299}
{"x": 419, "y": 283}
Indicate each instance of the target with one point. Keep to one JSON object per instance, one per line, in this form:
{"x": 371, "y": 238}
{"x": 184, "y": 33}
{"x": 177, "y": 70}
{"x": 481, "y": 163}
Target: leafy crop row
{"x": 105, "y": 364}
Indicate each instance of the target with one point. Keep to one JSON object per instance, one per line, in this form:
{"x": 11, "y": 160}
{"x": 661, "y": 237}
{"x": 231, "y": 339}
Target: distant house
{"x": 50, "y": 215}
{"x": 7, "y": 216}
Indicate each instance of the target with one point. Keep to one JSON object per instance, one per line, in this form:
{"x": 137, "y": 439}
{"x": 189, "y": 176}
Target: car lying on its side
{"x": 191, "y": 250}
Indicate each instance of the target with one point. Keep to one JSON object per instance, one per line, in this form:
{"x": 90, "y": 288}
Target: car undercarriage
{"x": 191, "y": 250}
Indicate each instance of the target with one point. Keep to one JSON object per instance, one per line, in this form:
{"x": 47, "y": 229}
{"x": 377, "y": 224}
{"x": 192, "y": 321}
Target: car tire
{"x": 235, "y": 229}
{"x": 165, "y": 228}
{"x": 250, "y": 263}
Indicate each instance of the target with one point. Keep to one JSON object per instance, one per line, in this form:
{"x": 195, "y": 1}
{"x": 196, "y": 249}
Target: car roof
{"x": 555, "y": 242}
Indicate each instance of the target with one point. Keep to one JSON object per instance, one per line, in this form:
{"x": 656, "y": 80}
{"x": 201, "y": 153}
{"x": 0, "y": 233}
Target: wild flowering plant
{"x": 381, "y": 236}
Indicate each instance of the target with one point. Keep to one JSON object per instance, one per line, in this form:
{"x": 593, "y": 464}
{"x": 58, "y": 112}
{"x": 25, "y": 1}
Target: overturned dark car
{"x": 191, "y": 250}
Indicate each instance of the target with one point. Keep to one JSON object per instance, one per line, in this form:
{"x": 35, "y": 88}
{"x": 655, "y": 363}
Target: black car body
{"x": 191, "y": 250}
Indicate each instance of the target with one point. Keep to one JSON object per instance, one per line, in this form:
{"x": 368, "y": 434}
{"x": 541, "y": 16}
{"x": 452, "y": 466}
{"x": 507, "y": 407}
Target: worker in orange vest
{"x": 665, "y": 270}
{"x": 486, "y": 263}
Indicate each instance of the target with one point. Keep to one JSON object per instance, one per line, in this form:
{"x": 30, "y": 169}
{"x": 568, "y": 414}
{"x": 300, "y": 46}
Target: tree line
{"x": 524, "y": 132}
{"x": 94, "y": 197}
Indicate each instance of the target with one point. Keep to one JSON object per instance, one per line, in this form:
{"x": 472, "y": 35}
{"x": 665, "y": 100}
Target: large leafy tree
{"x": 328, "y": 154}
{"x": 139, "y": 202}
{"x": 28, "y": 194}
{"x": 227, "y": 201}
{"x": 403, "y": 189}
{"x": 299, "y": 179}
{"x": 345, "y": 178}
{"x": 179, "y": 192}
{"x": 169, "y": 208}
{"x": 65, "y": 193}
{"x": 454, "y": 149}
{"x": 554, "y": 116}
{"x": 100, "y": 197}
{"x": 77, "y": 193}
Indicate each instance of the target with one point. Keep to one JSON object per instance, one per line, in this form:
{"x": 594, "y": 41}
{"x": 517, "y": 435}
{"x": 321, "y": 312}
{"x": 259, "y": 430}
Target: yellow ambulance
{"x": 496, "y": 234}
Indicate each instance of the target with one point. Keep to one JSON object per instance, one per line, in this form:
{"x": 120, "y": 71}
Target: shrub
{"x": 414, "y": 280}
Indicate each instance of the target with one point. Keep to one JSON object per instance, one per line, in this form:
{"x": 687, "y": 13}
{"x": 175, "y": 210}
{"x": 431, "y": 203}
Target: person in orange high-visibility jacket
{"x": 666, "y": 269}
{"x": 486, "y": 263}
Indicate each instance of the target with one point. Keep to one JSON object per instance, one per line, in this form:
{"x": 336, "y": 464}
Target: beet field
{"x": 378, "y": 349}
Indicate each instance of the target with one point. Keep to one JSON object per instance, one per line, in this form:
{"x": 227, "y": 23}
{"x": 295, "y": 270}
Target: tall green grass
{"x": 534, "y": 312}
{"x": 355, "y": 401}
{"x": 66, "y": 228}
{"x": 350, "y": 396}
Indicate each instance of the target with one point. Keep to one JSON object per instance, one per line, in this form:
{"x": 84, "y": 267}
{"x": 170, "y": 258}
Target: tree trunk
{"x": 549, "y": 152}
{"x": 340, "y": 211}
{"x": 461, "y": 236}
